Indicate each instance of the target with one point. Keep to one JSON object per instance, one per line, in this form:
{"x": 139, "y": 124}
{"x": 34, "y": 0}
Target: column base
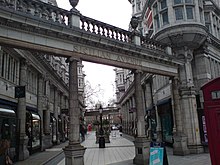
{"x": 23, "y": 151}
{"x": 159, "y": 136}
{"x": 180, "y": 145}
{"x": 142, "y": 151}
{"x": 74, "y": 154}
{"x": 46, "y": 142}
{"x": 196, "y": 149}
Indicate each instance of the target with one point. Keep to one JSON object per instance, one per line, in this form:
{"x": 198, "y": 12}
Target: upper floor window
{"x": 165, "y": 18}
{"x": 9, "y": 67}
{"x": 184, "y": 9}
{"x": 189, "y": 1}
{"x": 163, "y": 4}
{"x": 177, "y": 2}
{"x": 179, "y": 13}
{"x": 189, "y": 12}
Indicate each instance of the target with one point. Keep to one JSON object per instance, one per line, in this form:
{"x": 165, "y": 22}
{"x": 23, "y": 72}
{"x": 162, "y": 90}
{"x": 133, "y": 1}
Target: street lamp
{"x": 101, "y": 136}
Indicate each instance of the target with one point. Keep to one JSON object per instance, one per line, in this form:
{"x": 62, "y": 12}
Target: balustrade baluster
{"x": 108, "y": 32}
{"x": 44, "y": 13}
{"x": 88, "y": 26}
{"x": 2, "y": 2}
{"x": 112, "y": 33}
{"x": 83, "y": 24}
{"x": 63, "y": 18}
{"x": 28, "y": 7}
{"x": 11, "y": 4}
{"x": 120, "y": 36}
{"x": 103, "y": 30}
{"x": 98, "y": 29}
{"x": 36, "y": 11}
{"x": 116, "y": 35}
{"x": 93, "y": 27}
{"x": 50, "y": 14}
{"x": 57, "y": 16}
{"x": 20, "y": 5}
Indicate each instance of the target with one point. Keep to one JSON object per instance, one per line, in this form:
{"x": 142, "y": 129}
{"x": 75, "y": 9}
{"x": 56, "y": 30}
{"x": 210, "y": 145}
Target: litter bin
{"x": 101, "y": 142}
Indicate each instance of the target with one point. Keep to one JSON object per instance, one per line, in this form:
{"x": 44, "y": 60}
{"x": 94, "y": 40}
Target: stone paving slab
{"x": 120, "y": 151}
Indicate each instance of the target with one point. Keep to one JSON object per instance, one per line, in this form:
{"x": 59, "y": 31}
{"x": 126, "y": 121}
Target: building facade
{"x": 34, "y": 100}
{"x": 190, "y": 29}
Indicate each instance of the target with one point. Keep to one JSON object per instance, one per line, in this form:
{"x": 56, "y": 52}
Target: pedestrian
{"x": 4, "y": 152}
{"x": 82, "y": 132}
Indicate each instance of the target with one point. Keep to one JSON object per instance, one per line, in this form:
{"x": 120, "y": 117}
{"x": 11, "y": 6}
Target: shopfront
{"x": 33, "y": 131}
{"x": 8, "y": 127}
{"x": 165, "y": 113}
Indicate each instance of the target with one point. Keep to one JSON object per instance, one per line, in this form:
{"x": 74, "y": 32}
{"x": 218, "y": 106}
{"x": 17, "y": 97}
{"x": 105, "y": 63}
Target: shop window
{"x": 33, "y": 131}
{"x": 8, "y": 124}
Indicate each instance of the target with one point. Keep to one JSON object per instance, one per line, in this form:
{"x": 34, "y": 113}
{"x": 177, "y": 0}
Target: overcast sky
{"x": 114, "y": 12}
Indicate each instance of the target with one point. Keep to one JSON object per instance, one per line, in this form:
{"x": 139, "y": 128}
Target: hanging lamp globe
{"x": 73, "y": 3}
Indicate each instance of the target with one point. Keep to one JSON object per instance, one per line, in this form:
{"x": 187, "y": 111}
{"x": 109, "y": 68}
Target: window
{"x": 179, "y": 13}
{"x": 156, "y": 17}
{"x": 163, "y": 4}
{"x": 157, "y": 22}
{"x": 189, "y": 12}
{"x": 207, "y": 17}
{"x": 177, "y": 2}
{"x": 9, "y": 67}
{"x": 189, "y": 1}
{"x": 165, "y": 18}
{"x": 184, "y": 9}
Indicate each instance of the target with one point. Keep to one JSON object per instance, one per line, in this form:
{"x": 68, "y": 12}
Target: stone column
{"x": 23, "y": 139}
{"x": 180, "y": 139}
{"x": 56, "y": 113}
{"x": 40, "y": 106}
{"x": 142, "y": 144}
{"x": 74, "y": 152}
{"x": 188, "y": 102}
{"x": 47, "y": 138}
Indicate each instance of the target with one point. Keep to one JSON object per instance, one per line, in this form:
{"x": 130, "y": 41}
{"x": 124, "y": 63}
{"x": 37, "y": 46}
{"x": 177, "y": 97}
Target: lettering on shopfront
{"x": 106, "y": 55}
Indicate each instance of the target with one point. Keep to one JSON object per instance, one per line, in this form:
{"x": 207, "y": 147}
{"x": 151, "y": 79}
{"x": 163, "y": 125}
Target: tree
{"x": 92, "y": 94}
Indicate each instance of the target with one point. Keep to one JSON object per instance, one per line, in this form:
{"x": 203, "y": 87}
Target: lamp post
{"x": 101, "y": 136}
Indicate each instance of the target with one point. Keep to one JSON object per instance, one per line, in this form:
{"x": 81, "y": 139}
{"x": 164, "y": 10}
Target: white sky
{"x": 114, "y": 12}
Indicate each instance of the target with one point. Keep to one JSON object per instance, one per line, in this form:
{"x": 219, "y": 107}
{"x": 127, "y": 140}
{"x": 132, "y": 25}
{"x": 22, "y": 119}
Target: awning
{"x": 35, "y": 116}
{"x": 165, "y": 101}
{"x": 7, "y": 112}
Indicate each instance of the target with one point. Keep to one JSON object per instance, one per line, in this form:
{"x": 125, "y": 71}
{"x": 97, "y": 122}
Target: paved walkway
{"x": 119, "y": 152}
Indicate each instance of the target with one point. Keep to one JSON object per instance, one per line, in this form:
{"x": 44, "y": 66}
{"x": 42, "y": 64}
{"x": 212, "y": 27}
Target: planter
{"x": 106, "y": 136}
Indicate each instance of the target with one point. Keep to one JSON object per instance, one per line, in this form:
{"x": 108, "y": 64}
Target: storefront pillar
{"x": 23, "y": 138}
{"x": 180, "y": 139}
{"x": 55, "y": 110}
{"x": 74, "y": 152}
{"x": 142, "y": 144}
{"x": 150, "y": 109}
{"x": 47, "y": 138}
{"x": 40, "y": 101}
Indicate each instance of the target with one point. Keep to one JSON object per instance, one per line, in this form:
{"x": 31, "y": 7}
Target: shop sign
{"x": 158, "y": 154}
{"x": 20, "y": 91}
